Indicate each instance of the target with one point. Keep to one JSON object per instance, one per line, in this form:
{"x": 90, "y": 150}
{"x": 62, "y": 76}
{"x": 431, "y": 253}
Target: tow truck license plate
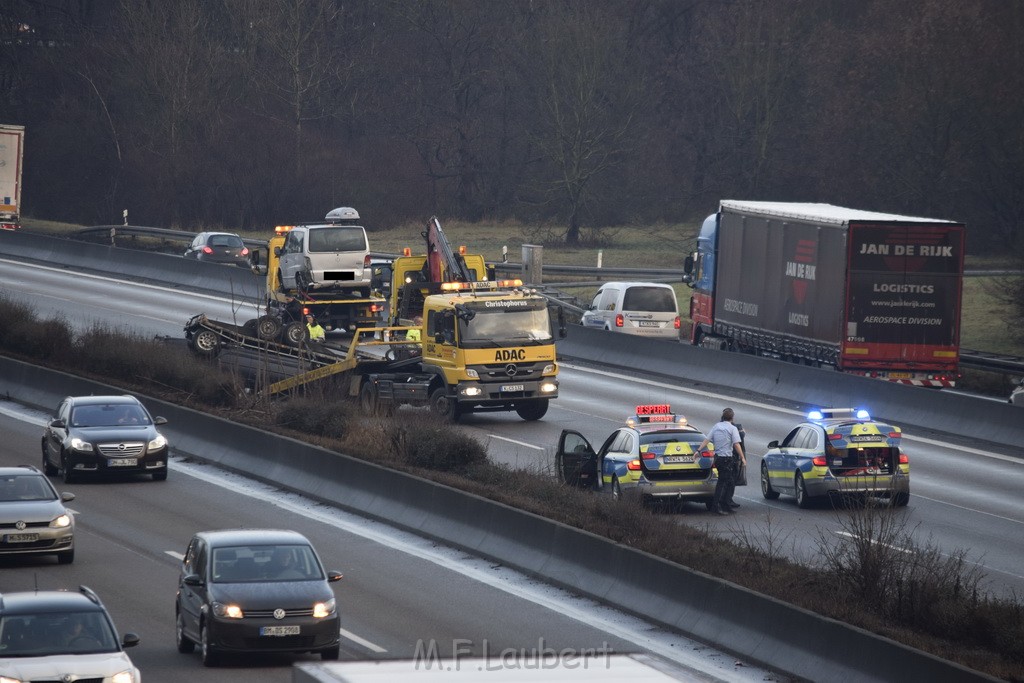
{"x": 122, "y": 462}
{"x": 279, "y": 630}
{"x": 647, "y": 323}
{"x": 512, "y": 387}
{"x": 21, "y": 538}
{"x": 678, "y": 458}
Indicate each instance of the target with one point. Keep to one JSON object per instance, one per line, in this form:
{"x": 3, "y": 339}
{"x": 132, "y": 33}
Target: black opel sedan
{"x": 95, "y": 435}
{"x": 255, "y": 590}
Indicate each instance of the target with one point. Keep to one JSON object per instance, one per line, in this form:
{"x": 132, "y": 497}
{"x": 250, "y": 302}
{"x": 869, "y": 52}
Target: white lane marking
{"x": 361, "y": 641}
{"x": 847, "y": 534}
{"x": 175, "y": 554}
{"x": 785, "y": 411}
{"x": 518, "y": 443}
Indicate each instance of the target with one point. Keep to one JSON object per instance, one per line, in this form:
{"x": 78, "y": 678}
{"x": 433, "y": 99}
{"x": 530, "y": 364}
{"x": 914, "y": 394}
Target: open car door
{"x": 575, "y": 460}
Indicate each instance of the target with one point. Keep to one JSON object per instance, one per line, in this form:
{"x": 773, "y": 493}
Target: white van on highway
{"x": 647, "y": 309}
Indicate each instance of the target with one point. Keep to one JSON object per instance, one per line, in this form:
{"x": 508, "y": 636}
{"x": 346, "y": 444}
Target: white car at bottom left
{"x": 62, "y": 636}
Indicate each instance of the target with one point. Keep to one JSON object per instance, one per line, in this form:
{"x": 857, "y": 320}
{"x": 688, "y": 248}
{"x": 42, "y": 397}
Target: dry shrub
{"x": 327, "y": 419}
{"x": 419, "y": 440}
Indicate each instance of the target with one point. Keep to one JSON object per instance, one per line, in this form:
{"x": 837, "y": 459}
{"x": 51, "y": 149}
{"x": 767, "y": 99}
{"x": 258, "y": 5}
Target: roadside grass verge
{"x": 878, "y": 576}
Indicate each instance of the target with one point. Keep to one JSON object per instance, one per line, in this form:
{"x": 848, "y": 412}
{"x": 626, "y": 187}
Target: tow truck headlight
{"x": 548, "y": 387}
{"x": 472, "y": 374}
{"x": 157, "y": 443}
{"x": 80, "y": 445}
{"x": 548, "y": 369}
{"x": 471, "y": 391}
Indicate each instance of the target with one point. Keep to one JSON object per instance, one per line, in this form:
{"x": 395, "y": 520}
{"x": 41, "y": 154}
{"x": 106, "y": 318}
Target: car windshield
{"x": 670, "y": 437}
{"x": 506, "y": 321}
{"x": 225, "y": 241}
{"x": 652, "y": 299}
{"x": 37, "y": 635}
{"x": 108, "y": 415}
{"x": 337, "y": 239}
{"x": 265, "y": 563}
{"x": 25, "y": 487}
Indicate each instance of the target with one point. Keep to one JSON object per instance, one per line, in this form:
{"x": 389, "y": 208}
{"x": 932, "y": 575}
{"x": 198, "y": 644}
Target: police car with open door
{"x": 653, "y": 457}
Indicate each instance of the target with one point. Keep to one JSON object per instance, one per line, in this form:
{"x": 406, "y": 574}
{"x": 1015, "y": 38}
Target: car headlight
{"x": 80, "y": 445}
{"x": 157, "y": 443}
{"x": 227, "y": 611}
{"x": 61, "y": 522}
{"x": 472, "y": 374}
{"x": 123, "y": 677}
{"x": 324, "y": 609}
{"x": 8, "y": 679}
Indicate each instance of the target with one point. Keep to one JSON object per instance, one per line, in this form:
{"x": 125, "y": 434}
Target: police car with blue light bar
{"x": 837, "y": 453}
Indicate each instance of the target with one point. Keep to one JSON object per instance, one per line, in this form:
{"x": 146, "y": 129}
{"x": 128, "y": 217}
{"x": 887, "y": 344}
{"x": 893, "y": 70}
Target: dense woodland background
{"x": 578, "y": 114}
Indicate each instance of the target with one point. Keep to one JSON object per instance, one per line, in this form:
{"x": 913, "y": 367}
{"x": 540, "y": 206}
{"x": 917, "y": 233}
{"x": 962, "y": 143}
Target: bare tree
{"x": 586, "y": 97}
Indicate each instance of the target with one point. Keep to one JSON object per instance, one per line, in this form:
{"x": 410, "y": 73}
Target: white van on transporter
{"x": 647, "y": 309}
{"x": 332, "y": 255}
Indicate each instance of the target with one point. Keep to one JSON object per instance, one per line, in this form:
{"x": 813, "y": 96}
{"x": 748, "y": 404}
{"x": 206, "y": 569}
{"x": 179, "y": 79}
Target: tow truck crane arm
{"x": 443, "y": 264}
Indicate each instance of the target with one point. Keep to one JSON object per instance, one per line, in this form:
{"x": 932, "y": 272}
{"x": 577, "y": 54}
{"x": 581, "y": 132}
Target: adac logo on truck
{"x": 502, "y": 355}
{"x": 802, "y": 268}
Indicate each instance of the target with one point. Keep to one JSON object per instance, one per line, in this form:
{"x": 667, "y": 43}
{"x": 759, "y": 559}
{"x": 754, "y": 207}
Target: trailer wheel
{"x": 249, "y": 329}
{"x": 205, "y": 343}
{"x": 444, "y": 407}
{"x": 268, "y": 328}
{"x": 295, "y": 334}
{"x": 532, "y": 410}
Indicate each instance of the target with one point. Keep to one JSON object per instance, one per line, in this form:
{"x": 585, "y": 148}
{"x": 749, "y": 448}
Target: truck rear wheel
{"x": 205, "y": 343}
{"x": 532, "y": 410}
{"x": 268, "y": 328}
{"x": 444, "y": 407}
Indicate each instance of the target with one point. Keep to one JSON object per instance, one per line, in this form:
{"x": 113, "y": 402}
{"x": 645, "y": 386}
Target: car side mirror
{"x": 159, "y": 420}
{"x": 129, "y": 640}
{"x": 773, "y": 444}
{"x": 66, "y": 496}
{"x": 278, "y": 251}
{"x": 192, "y": 580}
{"x": 58, "y": 424}
{"x": 333, "y": 576}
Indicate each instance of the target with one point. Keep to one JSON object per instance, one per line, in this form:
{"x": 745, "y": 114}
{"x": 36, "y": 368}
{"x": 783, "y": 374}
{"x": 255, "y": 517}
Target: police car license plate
{"x": 122, "y": 462}
{"x": 677, "y": 458}
{"x": 21, "y": 538}
{"x": 647, "y": 323}
{"x": 512, "y": 387}
{"x": 279, "y": 630}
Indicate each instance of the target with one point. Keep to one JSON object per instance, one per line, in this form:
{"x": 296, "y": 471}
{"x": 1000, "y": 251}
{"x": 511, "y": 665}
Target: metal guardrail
{"x": 978, "y": 360}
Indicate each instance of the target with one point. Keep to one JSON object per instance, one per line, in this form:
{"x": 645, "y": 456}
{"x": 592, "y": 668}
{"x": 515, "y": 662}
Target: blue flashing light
{"x": 815, "y": 415}
{"x": 863, "y": 415}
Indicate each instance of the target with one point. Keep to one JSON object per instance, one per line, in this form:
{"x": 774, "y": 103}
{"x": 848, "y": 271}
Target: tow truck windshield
{"x": 519, "y": 321}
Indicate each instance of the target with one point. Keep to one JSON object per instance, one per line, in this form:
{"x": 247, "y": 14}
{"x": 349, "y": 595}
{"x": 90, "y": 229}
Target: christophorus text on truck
{"x": 866, "y": 293}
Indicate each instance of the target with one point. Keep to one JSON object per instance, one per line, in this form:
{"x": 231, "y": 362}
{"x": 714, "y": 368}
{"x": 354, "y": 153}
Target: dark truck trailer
{"x": 867, "y": 293}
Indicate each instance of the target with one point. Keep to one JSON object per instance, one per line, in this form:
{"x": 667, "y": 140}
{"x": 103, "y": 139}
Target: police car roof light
{"x": 815, "y": 415}
{"x": 863, "y": 414}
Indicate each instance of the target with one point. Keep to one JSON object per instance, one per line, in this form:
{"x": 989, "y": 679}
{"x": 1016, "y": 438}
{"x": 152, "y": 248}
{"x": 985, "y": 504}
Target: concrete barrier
{"x": 941, "y": 411}
{"x": 753, "y": 626}
{"x": 132, "y": 263}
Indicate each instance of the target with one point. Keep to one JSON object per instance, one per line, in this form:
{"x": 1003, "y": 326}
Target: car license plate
{"x": 899, "y": 375}
{"x": 21, "y": 538}
{"x": 279, "y": 630}
{"x": 512, "y": 387}
{"x": 122, "y": 462}
{"x": 678, "y": 458}
{"x": 648, "y": 323}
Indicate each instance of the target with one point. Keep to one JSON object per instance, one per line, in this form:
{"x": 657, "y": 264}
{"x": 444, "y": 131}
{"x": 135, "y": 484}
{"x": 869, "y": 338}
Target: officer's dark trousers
{"x": 726, "y": 481}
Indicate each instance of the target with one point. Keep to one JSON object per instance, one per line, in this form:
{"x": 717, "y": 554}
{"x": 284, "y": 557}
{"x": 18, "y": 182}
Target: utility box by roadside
{"x": 533, "y": 264}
